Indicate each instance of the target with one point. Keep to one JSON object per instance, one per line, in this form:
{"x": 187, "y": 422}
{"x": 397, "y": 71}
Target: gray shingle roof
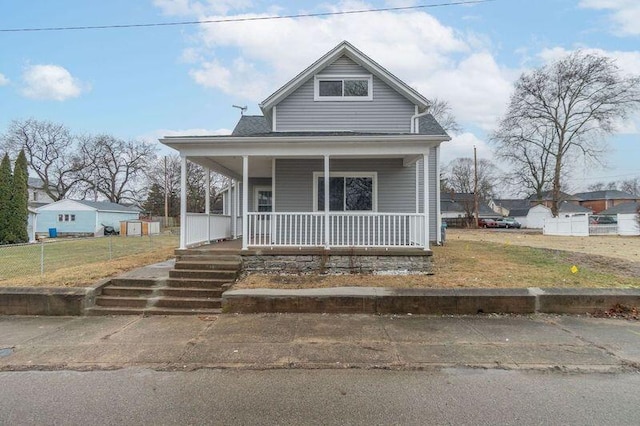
{"x": 518, "y": 212}
{"x": 547, "y": 196}
{"x": 608, "y": 194}
{"x": 631, "y": 207}
{"x": 257, "y": 126}
{"x": 513, "y": 204}
{"x": 108, "y": 206}
{"x": 427, "y": 125}
{"x": 250, "y": 125}
{"x": 567, "y": 207}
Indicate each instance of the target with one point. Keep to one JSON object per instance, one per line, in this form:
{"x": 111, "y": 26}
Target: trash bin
{"x": 53, "y": 232}
{"x": 443, "y": 231}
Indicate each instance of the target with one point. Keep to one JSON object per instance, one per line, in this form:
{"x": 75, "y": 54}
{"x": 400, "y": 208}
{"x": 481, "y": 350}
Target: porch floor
{"x": 235, "y": 247}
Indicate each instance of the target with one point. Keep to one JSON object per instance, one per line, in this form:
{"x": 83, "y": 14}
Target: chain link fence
{"x": 46, "y": 256}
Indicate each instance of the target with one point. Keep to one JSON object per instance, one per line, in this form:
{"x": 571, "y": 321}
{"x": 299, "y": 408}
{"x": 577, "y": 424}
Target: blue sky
{"x": 149, "y": 82}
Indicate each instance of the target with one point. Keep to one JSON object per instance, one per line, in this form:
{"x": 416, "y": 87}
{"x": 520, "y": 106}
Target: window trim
{"x": 342, "y": 77}
{"x": 374, "y": 189}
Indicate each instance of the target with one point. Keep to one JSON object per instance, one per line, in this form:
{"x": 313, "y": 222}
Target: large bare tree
{"x": 460, "y": 178}
{"x": 566, "y": 110}
{"x": 50, "y": 150}
{"x": 442, "y": 112}
{"x": 114, "y": 168}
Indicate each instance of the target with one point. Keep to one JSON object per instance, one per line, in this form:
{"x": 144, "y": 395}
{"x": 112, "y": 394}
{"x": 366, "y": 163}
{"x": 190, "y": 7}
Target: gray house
{"x": 344, "y": 155}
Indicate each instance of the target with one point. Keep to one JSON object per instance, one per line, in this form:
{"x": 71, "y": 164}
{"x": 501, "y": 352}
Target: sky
{"x": 144, "y": 83}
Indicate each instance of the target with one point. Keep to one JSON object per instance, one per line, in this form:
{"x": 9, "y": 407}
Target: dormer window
{"x": 343, "y": 88}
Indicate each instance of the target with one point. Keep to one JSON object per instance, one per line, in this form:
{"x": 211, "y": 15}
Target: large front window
{"x": 347, "y": 191}
{"x": 347, "y": 88}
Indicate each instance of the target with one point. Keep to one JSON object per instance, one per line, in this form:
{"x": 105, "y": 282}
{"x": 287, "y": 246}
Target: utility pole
{"x": 475, "y": 185}
{"x": 166, "y": 195}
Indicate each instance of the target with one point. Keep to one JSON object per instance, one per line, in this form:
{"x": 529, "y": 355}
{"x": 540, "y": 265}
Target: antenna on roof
{"x": 241, "y": 108}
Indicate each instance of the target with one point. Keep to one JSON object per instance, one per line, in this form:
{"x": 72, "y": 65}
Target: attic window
{"x": 343, "y": 88}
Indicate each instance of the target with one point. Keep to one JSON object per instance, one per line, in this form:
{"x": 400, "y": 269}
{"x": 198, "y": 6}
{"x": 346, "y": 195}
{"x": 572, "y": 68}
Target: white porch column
{"x": 245, "y": 202}
{"x": 233, "y": 191}
{"x": 183, "y": 202}
{"x": 438, "y": 205}
{"x": 425, "y": 189}
{"x": 326, "y": 202}
{"x": 207, "y": 202}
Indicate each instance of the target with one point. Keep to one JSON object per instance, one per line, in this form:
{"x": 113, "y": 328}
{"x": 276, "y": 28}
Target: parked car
{"x": 603, "y": 220}
{"x": 487, "y": 223}
{"x": 508, "y": 222}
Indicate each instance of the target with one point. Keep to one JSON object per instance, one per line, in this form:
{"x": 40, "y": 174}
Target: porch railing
{"x": 201, "y": 228}
{"x": 345, "y": 229}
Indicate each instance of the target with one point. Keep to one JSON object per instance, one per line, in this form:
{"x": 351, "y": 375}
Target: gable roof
{"x": 519, "y": 212}
{"x": 106, "y": 206}
{"x": 455, "y": 202}
{"x": 512, "y": 204}
{"x": 624, "y": 208}
{"x": 344, "y": 49}
{"x": 609, "y": 194}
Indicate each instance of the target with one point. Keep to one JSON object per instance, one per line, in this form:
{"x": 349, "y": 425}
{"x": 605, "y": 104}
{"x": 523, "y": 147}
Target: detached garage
{"x": 82, "y": 218}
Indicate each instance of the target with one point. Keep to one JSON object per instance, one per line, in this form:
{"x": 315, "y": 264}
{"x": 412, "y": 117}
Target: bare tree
{"x": 441, "y": 111}
{"x": 631, "y": 186}
{"x": 460, "y": 178}
{"x": 576, "y": 102}
{"x": 50, "y": 150}
{"x": 114, "y": 167}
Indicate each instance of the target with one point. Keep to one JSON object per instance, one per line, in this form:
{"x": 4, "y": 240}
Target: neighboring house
{"x": 80, "y": 217}
{"x": 37, "y": 195}
{"x": 504, "y": 207}
{"x": 345, "y": 134}
{"x": 603, "y": 200}
{"x": 547, "y": 199}
{"x": 622, "y": 208}
{"x": 32, "y": 219}
{"x": 461, "y": 205}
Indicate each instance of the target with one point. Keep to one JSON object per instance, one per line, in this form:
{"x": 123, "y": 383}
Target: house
{"x": 38, "y": 197}
{"x": 345, "y": 155}
{"x": 603, "y": 200}
{"x": 630, "y": 207}
{"x": 505, "y": 206}
{"x": 80, "y": 217}
{"x": 457, "y": 207}
{"x": 32, "y": 218}
{"x": 547, "y": 199}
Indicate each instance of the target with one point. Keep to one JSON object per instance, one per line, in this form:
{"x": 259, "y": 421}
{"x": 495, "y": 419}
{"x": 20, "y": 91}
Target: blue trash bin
{"x": 53, "y": 232}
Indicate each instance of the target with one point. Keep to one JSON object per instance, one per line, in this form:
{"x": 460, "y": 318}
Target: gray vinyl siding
{"x": 433, "y": 187}
{"x": 294, "y": 182}
{"x": 387, "y": 112}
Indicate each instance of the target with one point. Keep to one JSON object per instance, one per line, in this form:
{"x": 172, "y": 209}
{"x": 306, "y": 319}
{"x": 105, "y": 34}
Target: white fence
{"x": 579, "y": 226}
{"x": 345, "y": 229}
{"x": 201, "y": 228}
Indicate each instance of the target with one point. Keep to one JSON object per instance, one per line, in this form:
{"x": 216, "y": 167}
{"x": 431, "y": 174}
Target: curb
{"x": 372, "y": 300}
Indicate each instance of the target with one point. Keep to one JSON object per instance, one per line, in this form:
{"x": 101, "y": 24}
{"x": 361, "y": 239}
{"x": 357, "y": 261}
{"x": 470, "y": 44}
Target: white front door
{"x": 263, "y": 203}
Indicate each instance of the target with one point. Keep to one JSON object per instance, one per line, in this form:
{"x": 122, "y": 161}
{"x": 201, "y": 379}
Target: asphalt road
{"x": 297, "y": 397}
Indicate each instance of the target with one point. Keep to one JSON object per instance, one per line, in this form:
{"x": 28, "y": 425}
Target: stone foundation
{"x": 330, "y": 263}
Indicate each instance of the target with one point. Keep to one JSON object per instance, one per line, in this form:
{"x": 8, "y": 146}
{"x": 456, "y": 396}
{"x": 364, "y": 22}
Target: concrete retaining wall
{"x": 371, "y": 300}
{"x": 45, "y": 301}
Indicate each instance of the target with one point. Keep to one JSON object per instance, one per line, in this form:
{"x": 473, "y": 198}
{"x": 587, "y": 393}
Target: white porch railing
{"x": 201, "y": 228}
{"x": 345, "y": 229}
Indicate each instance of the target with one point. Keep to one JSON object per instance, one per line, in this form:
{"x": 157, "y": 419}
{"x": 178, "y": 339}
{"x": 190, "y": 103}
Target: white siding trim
{"x": 274, "y": 120}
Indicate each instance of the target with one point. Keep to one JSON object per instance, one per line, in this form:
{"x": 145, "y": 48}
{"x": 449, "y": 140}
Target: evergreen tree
{"x": 5, "y": 198}
{"x": 19, "y": 201}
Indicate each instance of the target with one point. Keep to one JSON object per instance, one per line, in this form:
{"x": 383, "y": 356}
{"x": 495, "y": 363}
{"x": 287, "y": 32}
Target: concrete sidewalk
{"x": 265, "y": 341}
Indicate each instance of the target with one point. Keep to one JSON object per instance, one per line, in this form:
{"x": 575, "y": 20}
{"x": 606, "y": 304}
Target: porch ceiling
{"x": 260, "y": 166}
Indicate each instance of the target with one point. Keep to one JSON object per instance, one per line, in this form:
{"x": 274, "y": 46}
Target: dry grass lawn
{"x": 487, "y": 259}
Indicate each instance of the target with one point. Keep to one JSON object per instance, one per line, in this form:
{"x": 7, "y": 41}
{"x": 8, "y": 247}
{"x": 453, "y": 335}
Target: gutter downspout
{"x": 414, "y": 118}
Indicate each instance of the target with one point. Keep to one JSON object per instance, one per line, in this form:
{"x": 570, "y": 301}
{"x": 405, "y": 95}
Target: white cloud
{"x": 435, "y": 59}
{"x": 51, "y": 82}
{"x": 628, "y": 61}
{"x": 462, "y": 146}
{"x": 3, "y": 80}
{"x": 625, "y": 14}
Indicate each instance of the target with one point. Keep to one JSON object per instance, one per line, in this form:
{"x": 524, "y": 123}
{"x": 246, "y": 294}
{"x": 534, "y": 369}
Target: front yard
{"x": 493, "y": 259}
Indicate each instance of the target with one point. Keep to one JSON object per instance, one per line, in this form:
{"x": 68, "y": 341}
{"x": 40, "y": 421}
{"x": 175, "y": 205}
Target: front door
{"x": 263, "y": 203}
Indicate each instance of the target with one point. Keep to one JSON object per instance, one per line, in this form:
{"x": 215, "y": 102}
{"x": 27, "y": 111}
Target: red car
{"x": 487, "y": 223}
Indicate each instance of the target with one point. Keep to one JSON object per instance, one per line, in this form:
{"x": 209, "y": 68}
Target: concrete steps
{"x": 194, "y": 287}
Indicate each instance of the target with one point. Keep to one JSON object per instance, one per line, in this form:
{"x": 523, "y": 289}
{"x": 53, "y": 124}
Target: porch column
{"x": 425, "y": 195}
{"x": 245, "y": 202}
{"x": 326, "y": 202}
{"x": 438, "y": 205}
{"x": 233, "y": 191}
{"x": 183, "y": 201}
{"x": 207, "y": 202}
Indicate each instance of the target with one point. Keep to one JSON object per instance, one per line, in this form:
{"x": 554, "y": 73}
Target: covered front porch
{"x": 378, "y": 195}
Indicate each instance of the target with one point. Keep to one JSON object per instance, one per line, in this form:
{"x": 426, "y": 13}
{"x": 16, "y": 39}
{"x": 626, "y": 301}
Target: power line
{"x": 248, "y": 19}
